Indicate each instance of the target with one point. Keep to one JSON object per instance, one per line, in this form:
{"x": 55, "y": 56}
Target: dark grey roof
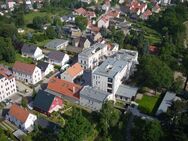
{"x": 42, "y": 65}
{"x": 54, "y": 43}
{"x": 43, "y": 100}
{"x": 56, "y": 55}
{"x": 46, "y": 123}
{"x": 28, "y": 49}
{"x": 94, "y": 94}
{"x": 126, "y": 91}
{"x": 166, "y": 102}
{"x": 82, "y": 41}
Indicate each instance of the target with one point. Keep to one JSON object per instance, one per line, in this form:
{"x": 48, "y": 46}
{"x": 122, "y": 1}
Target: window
{"x": 110, "y": 79}
{"x": 110, "y": 85}
{"x": 108, "y": 90}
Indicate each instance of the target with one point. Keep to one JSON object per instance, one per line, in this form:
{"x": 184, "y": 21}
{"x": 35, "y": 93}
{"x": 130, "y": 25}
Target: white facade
{"x": 7, "y": 87}
{"x": 48, "y": 70}
{"x": 33, "y": 78}
{"x": 91, "y": 57}
{"x": 103, "y": 23}
{"x": 59, "y": 62}
{"x": 29, "y": 123}
{"x": 111, "y": 73}
{"x": 38, "y": 55}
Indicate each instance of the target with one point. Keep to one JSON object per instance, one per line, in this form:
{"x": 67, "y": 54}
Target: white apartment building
{"x": 91, "y": 57}
{"x": 28, "y": 73}
{"x": 111, "y": 73}
{"x": 7, "y": 83}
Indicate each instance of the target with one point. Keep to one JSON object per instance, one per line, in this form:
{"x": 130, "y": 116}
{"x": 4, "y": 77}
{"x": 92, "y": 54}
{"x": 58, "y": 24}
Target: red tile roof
{"x": 113, "y": 13}
{"x": 24, "y": 68}
{"x": 74, "y": 70}
{"x": 147, "y": 13}
{"x": 19, "y": 113}
{"x": 5, "y": 72}
{"x": 80, "y": 11}
{"x": 105, "y": 18}
{"x": 64, "y": 87}
{"x": 153, "y": 49}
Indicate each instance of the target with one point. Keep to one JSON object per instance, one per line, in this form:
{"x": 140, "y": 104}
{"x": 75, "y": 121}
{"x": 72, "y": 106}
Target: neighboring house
{"x": 166, "y": 102}
{"x": 84, "y": 12}
{"x": 106, "y": 5}
{"x": 165, "y": 2}
{"x": 126, "y": 93}
{"x": 28, "y": 73}
{"x": 103, "y": 22}
{"x": 10, "y": 4}
{"x": 86, "y": 1}
{"x": 32, "y": 51}
{"x": 7, "y": 83}
{"x": 146, "y": 14}
{"x": 58, "y": 58}
{"x": 57, "y": 44}
{"x": 72, "y": 72}
{"x": 45, "y": 67}
{"x": 84, "y": 43}
{"x": 114, "y": 70}
{"x": 112, "y": 48}
{"x": 22, "y": 118}
{"x": 68, "y": 18}
{"x": 91, "y": 57}
{"x": 47, "y": 103}
{"x": 156, "y": 8}
{"x": 64, "y": 89}
{"x": 92, "y": 98}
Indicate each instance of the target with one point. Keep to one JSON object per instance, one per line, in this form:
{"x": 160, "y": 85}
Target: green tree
{"x": 51, "y": 33}
{"x": 155, "y": 73}
{"x": 109, "y": 117}
{"x": 77, "y": 128}
{"x": 81, "y": 22}
{"x": 152, "y": 131}
{"x": 185, "y": 66}
{"x": 24, "y": 102}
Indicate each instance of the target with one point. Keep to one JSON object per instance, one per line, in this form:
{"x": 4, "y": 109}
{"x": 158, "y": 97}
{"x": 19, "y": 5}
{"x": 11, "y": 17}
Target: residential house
{"x": 10, "y": 4}
{"x": 165, "y": 2}
{"x": 32, "y": 51}
{"x": 58, "y": 58}
{"x": 166, "y": 102}
{"x": 84, "y": 42}
{"x": 113, "y": 14}
{"x": 47, "y": 103}
{"x": 103, "y": 22}
{"x": 106, "y": 5}
{"x": 91, "y": 57}
{"x": 57, "y": 44}
{"x": 64, "y": 89}
{"x": 126, "y": 93}
{"x": 22, "y": 118}
{"x": 156, "y": 8}
{"x": 46, "y": 68}
{"x": 112, "y": 48}
{"x": 84, "y": 12}
{"x": 146, "y": 14}
{"x": 92, "y": 98}
{"x": 72, "y": 72}
{"x": 86, "y": 1}
{"x": 114, "y": 70}
{"x": 7, "y": 83}
{"x": 28, "y": 73}
{"x": 68, "y": 18}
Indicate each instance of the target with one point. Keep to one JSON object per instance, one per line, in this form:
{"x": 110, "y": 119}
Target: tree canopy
{"x": 155, "y": 73}
{"x": 81, "y": 22}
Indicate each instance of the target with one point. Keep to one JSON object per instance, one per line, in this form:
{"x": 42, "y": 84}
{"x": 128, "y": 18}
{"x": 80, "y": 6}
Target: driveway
{"x": 23, "y": 89}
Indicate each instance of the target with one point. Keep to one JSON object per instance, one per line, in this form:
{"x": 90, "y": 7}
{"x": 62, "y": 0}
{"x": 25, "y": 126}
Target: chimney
{"x": 74, "y": 89}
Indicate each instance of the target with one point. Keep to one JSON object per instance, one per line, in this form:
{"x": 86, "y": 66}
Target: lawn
{"x": 23, "y": 59}
{"x": 147, "y": 103}
{"x": 29, "y": 17}
{"x": 152, "y": 35}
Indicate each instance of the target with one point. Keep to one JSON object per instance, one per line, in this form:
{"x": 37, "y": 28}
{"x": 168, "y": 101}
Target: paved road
{"x": 129, "y": 126}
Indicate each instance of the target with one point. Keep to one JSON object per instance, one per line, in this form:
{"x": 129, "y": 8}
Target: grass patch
{"x": 29, "y": 17}
{"x": 152, "y": 35}
{"x": 23, "y": 59}
{"x": 147, "y": 103}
